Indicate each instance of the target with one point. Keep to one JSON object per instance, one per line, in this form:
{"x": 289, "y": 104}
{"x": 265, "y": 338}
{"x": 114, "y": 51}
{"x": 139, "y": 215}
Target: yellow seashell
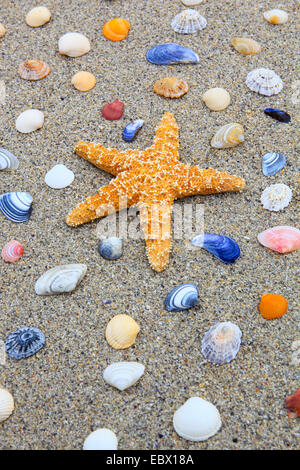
{"x": 83, "y": 81}
{"x": 2, "y": 30}
{"x": 228, "y": 136}
{"x": 6, "y": 404}
{"x": 171, "y": 87}
{"x": 276, "y": 16}
{"x": 33, "y": 69}
{"x": 245, "y": 45}
{"x": 121, "y": 331}
{"x": 216, "y": 99}
{"x": 38, "y": 16}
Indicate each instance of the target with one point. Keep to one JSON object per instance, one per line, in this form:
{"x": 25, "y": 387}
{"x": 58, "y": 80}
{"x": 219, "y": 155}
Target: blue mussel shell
{"x": 16, "y": 206}
{"x": 131, "y": 130}
{"x": 182, "y": 297}
{"x": 224, "y": 248}
{"x": 272, "y": 163}
{"x": 171, "y": 53}
{"x": 278, "y": 114}
{"x": 24, "y": 342}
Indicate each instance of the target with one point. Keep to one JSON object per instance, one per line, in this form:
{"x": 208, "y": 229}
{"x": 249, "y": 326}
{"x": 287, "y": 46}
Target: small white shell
{"x": 216, "y": 99}
{"x": 38, "y": 16}
{"x": 276, "y": 197}
{"x": 227, "y": 136}
{"x": 190, "y": 3}
{"x": 6, "y": 404}
{"x": 74, "y": 44}
{"x": 264, "y": 81}
{"x": 59, "y": 177}
{"x": 101, "y": 439}
{"x": 197, "y": 420}
{"x": 123, "y": 375}
{"x": 188, "y": 22}
{"x": 8, "y": 161}
{"x": 276, "y": 16}
{"x": 60, "y": 279}
{"x": 221, "y": 342}
{"x": 29, "y": 121}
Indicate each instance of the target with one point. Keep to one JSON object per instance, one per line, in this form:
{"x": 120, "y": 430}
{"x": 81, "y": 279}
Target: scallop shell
{"x": 12, "y": 251}
{"x": 276, "y": 197}
{"x": 38, "y": 16}
{"x": 224, "y": 248}
{"x": 188, "y": 22}
{"x": 16, "y": 206}
{"x": 221, "y": 342}
{"x": 282, "y": 238}
{"x": 264, "y": 81}
{"x": 216, "y": 99}
{"x": 7, "y": 160}
{"x": 170, "y": 54}
{"x": 73, "y": 44}
{"x": 60, "y": 279}
{"x": 228, "y": 136}
{"x": 6, "y": 404}
{"x": 83, "y": 81}
{"x": 113, "y": 111}
{"x": 272, "y": 306}
{"x": 123, "y": 375}
{"x": 171, "y": 87}
{"x": 29, "y": 121}
{"x": 245, "y": 46}
{"x": 111, "y": 248}
{"x": 2, "y": 30}
{"x": 24, "y": 342}
{"x": 292, "y": 404}
{"x": 272, "y": 163}
{"x": 276, "y": 16}
{"x": 101, "y": 439}
{"x": 132, "y": 129}
{"x": 116, "y": 29}
{"x": 182, "y": 297}
{"x": 59, "y": 177}
{"x": 121, "y": 331}
{"x": 33, "y": 69}
{"x": 197, "y": 420}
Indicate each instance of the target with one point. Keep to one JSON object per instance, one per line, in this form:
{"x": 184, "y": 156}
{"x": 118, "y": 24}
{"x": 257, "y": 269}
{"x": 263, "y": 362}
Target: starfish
{"x": 152, "y": 180}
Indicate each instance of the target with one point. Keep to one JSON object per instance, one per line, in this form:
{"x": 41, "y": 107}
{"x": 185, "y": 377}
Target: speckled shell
{"x": 216, "y": 99}
{"x": 276, "y": 16}
{"x": 101, "y": 439}
{"x": 188, "y": 21}
{"x": 74, "y": 44}
{"x": 24, "y": 342}
{"x": 245, "y": 46}
{"x": 16, "y": 206}
{"x": 2, "y": 30}
{"x": 8, "y": 161}
{"x": 123, "y": 375}
{"x": 276, "y": 197}
{"x": 12, "y": 251}
{"x": 121, "y": 331}
{"x": 282, "y": 238}
{"x": 264, "y": 81}
{"x": 6, "y": 404}
{"x": 60, "y": 279}
{"x": 30, "y": 121}
{"x": 83, "y": 81}
{"x": 221, "y": 342}
{"x": 171, "y": 87}
{"x": 228, "y": 136}
{"x": 111, "y": 248}
{"x": 38, "y": 16}
{"x": 272, "y": 163}
{"x": 33, "y": 69}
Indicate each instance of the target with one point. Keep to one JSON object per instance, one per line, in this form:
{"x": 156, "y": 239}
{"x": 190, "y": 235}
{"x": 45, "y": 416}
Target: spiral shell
{"x": 228, "y": 136}
{"x": 116, "y": 29}
{"x": 33, "y": 69}
{"x": 12, "y": 251}
{"x": 264, "y": 81}
{"x": 121, "y": 331}
{"x": 60, "y": 279}
{"x": 123, "y": 375}
{"x": 245, "y": 46}
{"x": 171, "y": 87}
{"x": 6, "y": 404}
{"x": 276, "y": 197}
{"x": 38, "y": 16}
{"x": 221, "y": 342}
{"x": 7, "y": 160}
{"x": 182, "y": 297}
{"x": 276, "y": 16}
{"x": 188, "y": 21}
{"x": 73, "y": 44}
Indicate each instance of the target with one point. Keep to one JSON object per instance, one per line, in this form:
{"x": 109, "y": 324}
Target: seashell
{"x": 278, "y": 114}
{"x": 29, "y": 121}
{"x": 295, "y": 358}
{"x": 24, "y": 342}
{"x": 228, "y": 136}
{"x": 282, "y": 238}
{"x": 188, "y": 22}
{"x": 123, "y": 375}
{"x": 171, "y": 87}
{"x": 73, "y": 44}
{"x": 276, "y": 197}
{"x": 272, "y": 163}
{"x": 171, "y": 53}
{"x": 245, "y": 46}
{"x": 264, "y": 81}
{"x": 132, "y": 129}
{"x": 111, "y": 248}
{"x": 116, "y": 29}
{"x": 16, "y": 206}
{"x": 292, "y": 404}
{"x": 113, "y": 111}
{"x": 197, "y": 420}
{"x": 59, "y": 177}
{"x": 182, "y": 297}
{"x": 190, "y": 3}
{"x": 273, "y": 306}
{"x": 83, "y": 81}
{"x": 221, "y": 342}
{"x": 216, "y": 99}
{"x": 7, "y": 160}
{"x": 12, "y": 251}
{"x": 7, "y": 404}
{"x": 101, "y": 439}
{"x": 2, "y": 30}
{"x": 224, "y": 248}
{"x": 121, "y": 331}
{"x": 33, "y": 69}
{"x": 276, "y": 16}
{"x": 38, "y": 16}
{"x": 60, "y": 279}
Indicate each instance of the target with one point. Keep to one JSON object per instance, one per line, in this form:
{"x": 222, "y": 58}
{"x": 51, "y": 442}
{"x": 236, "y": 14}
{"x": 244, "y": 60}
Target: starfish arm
{"x": 166, "y": 137}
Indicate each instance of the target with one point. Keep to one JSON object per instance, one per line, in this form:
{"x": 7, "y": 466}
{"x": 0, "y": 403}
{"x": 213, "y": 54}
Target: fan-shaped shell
{"x": 272, "y": 163}
{"x": 264, "y": 81}
{"x": 245, "y": 46}
{"x": 2, "y": 30}
{"x": 123, "y": 375}
{"x": 224, "y": 248}
{"x": 182, "y": 297}
{"x": 101, "y": 439}
{"x": 83, "y": 81}
{"x": 38, "y": 16}
{"x": 74, "y": 44}
{"x": 121, "y": 331}
{"x": 188, "y": 21}
{"x": 272, "y": 306}
{"x": 33, "y": 69}
{"x": 29, "y": 121}
{"x": 276, "y": 16}
{"x": 60, "y": 279}
{"x": 116, "y": 29}
{"x": 276, "y": 197}
{"x": 113, "y": 111}
{"x": 12, "y": 251}
{"x": 221, "y": 342}
{"x": 132, "y": 129}
{"x": 282, "y": 238}
{"x": 24, "y": 342}
{"x": 228, "y": 136}
{"x": 292, "y": 404}
{"x": 111, "y": 248}
{"x": 216, "y": 99}
{"x": 171, "y": 53}
{"x": 59, "y": 177}
{"x": 16, "y": 206}
{"x": 171, "y": 87}
{"x": 7, "y": 404}
{"x": 7, "y": 160}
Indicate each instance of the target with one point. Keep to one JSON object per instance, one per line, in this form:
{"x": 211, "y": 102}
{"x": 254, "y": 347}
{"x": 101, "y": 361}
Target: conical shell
{"x": 2, "y": 30}
{"x": 6, "y": 404}
{"x": 60, "y": 279}
{"x": 276, "y": 197}
{"x": 121, "y": 331}
{"x": 33, "y": 69}
{"x": 73, "y": 44}
{"x": 171, "y": 87}
{"x": 221, "y": 342}
{"x": 188, "y": 21}
{"x": 83, "y": 81}
{"x": 101, "y": 439}
{"x": 123, "y": 375}
{"x": 7, "y": 160}
{"x": 276, "y": 16}
{"x": 216, "y": 99}
{"x": 245, "y": 46}
{"x": 38, "y": 16}
{"x": 264, "y": 81}
{"x": 228, "y": 136}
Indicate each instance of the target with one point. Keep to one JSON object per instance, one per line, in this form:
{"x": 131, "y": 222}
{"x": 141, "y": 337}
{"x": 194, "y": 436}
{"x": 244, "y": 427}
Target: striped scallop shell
{"x": 221, "y": 342}
{"x": 276, "y": 197}
{"x": 188, "y": 21}
{"x": 6, "y": 404}
{"x": 245, "y": 46}
{"x": 171, "y": 87}
{"x": 121, "y": 331}
{"x": 123, "y": 375}
{"x": 33, "y": 69}
{"x": 7, "y": 160}
{"x": 12, "y": 251}
{"x": 228, "y": 136}
{"x": 264, "y": 81}
{"x": 60, "y": 279}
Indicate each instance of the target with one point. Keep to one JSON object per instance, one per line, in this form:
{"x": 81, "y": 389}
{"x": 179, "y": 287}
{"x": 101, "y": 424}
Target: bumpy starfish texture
{"x": 151, "y": 179}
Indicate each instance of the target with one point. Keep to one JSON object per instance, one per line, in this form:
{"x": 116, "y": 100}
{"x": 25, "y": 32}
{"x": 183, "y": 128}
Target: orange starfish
{"x": 151, "y": 179}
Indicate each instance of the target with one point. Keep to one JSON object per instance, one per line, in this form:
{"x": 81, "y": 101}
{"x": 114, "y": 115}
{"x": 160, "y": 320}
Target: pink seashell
{"x": 283, "y": 239}
{"x": 12, "y": 251}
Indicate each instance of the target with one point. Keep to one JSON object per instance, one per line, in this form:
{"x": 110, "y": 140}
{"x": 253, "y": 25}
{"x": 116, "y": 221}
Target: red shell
{"x": 113, "y": 111}
{"x": 292, "y": 404}
{"x": 12, "y": 251}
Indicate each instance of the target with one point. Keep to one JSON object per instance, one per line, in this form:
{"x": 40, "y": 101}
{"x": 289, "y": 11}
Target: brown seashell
{"x": 83, "y": 81}
{"x": 121, "y": 331}
{"x": 171, "y": 87}
{"x": 2, "y": 30}
{"x": 292, "y": 404}
{"x": 33, "y": 69}
{"x": 245, "y": 46}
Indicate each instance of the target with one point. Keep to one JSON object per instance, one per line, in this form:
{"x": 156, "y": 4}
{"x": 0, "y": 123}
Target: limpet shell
{"x": 59, "y": 177}
{"x": 60, "y": 279}
{"x": 188, "y": 21}
{"x": 121, "y": 331}
{"x": 101, "y": 439}
{"x": 221, "y": 342}
{"x": 74, "y": 44}
{"x": 216, "y": 99}
{"x": 12, "y": 251}
{"x": 38, "y": 16}
{"x": 7, "y": 404}
{"x": 2, "y": 30}
{"x": 116, "y": 29}
{"x": 123, "y": 375}
{"x": 276, "y": 16}
{"x": 264, "y": 81}
{"x": 33, "y": 69}
{"x": 282, "y": 238}
{"x": 30, "y": 121}
{"x": 83, "y": 81}
{"x": 8, "y": 161}
{"x": 276, "y": 197}
{"x": 273, "y": 306}
{"x": 171, "y": 87}
{"x": 228, "y": 136}
{"x": 245, "y": 46}
{"x": 24, "y": 342}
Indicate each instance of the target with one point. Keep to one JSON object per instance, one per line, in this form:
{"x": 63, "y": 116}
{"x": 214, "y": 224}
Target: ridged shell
{"x": 282, "y": 238}
{"x": 12, "y": 251}
{"x": 7, "y": 404}
{"x": 228, "y": 136}
{"x": 272, "y": 163}
{"x": 216, "y": 99}
{"x": 113, "y": 111}
{"x": 38, "y": 16}
{"x": 16, "y": 206}
{"x": 7, "y": 160}
{"x": 197, "y": 420}
{"x": 83, "y": 81}
{"x": 60, "y": 279}
{"x": 182, "y": 297}
{"x": 171, "y": 53}
{"x": 276, "y": 16}
{"x": 101, "y": 439}
{"x": 224, "y": 248}
{"x": 2, "y": 30}
{"x": 171, "y": 87}
{"x": 272, "y": 306}
{"x": 111, "y": 248}
{"x": 74, "y": 44}
{"x": 24, "y": 342}
{"x": 116, "y": 29}
{"x": 276, "y": 197}
{"x": 33, "y": 69}
{"x": 123, "y": 375}
{"x": 121, "y": 331}
{"x": 132, "y": 129}
{"x": 29, "y": 121}
{"x": 59, "y": 177}
{"x": 264, "y": 81}
{"x": 188, "y": 21}
{"x": 245, "y": 46}
{"x": 221, "y": 342}
{"x": 278, "y": 114}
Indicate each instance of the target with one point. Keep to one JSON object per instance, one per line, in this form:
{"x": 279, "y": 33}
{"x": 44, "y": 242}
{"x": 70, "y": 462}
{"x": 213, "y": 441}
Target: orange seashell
{"x": 171, "y": 87}
{"x": 33, "y": 69}
{"x": 292, "y": 404}
{"x": 116, "y": 29}
{"x": 83, "y": 81}
{"x": 273, "y": 306}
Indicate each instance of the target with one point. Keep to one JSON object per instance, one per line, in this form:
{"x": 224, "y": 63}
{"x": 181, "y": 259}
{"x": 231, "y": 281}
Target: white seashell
{"x": 227, "y": 136}
{"x": 190, "y": 3}
{"x": 197, "y": 420}
{"x": 74, "y": 44}
{"x": 216, "y": 99}
{"x": 188, "y": 22}
{"x": 29, "y": 121}
{"x": 7, "y": 160}
{"x": 101, "y": 439}
{"x": 221, "y": 342}
{"x": 59, "y": 177}
{"x": 264, "y": 81}
{"x": 60, "y": 279}
{"x": 276, "y": 16}
{"x": 6, "y": 404}
{"x": 38, "y": 16}
{"x": 123, "y": 375}
{"x": 276, "y": 197}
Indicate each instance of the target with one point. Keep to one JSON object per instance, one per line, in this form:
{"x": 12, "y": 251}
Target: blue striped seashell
{"x": 272, "y": 163}
{"x": 7, "y": 160}
{"x": 182, "y": 297}
{"x": 24, "y": 342}
{"x": 111, "y": 248}
{"x": 224, "y": 248}
{"x": 171, "y": 53}
{"x": 16, "y": 206}
{"x": 278, "y": 114}
{"x": 131, "y": 130}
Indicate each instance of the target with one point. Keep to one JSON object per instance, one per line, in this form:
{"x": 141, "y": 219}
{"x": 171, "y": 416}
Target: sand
{"x": 60, "y": 395}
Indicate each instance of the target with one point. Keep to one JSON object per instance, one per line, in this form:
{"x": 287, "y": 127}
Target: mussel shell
{"x": 182, "y": 297}
{"x": 171, "y": 53}
{"x": 224, "y": 248}
{"x": 131, "y": 130}
{"x": 24, "y": 342}
{"x": 7, "y": 160}
{"x": 16, "y": 206}
{"x": 272, "y": 163}
{"x": 278, "y": 114}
